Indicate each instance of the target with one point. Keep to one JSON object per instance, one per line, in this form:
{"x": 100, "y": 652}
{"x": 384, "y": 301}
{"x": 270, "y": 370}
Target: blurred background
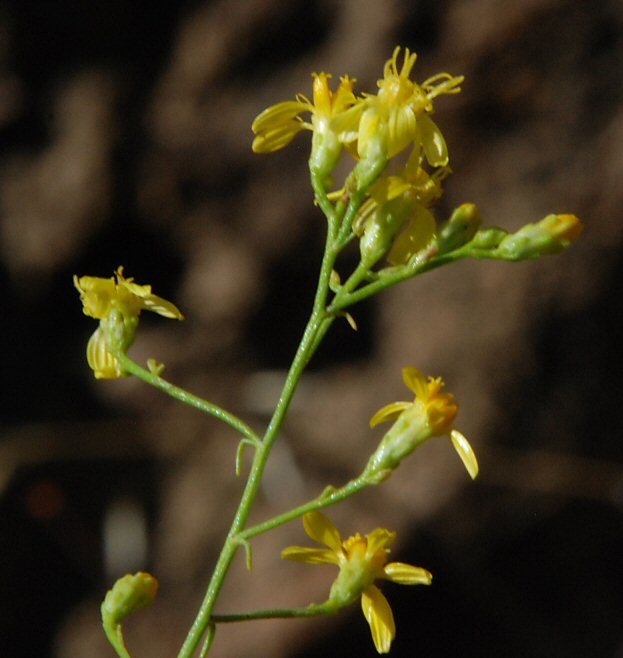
{"x": 125, "y": 133}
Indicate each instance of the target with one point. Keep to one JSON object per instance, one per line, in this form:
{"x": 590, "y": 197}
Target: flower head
{"x": 277, "y": 126}
{"x": 117, "y": 303}
{"x": 361, "y": 560}
{"x": 398, "y": 115}
{"x": 431, "y": 413}
{"x": 396, "y": 219}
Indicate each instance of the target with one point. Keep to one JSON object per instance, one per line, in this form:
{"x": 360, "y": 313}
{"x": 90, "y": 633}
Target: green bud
{"x": 409, "y": 430}
{"x": 354, "y": 577}
{"x": 381, "y": 229}
{"x": 551, "y": 235}
{"x": 119, "y": 330}
{"x": 488, "y": 238}
{"x": 460, "y": 228}
{"x": 325, "y": 153}
{"x": 374, "y": 160}
{"x": 128, "y": 594}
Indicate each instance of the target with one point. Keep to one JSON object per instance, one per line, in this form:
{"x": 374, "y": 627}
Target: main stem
{"x": 316, "y": 327}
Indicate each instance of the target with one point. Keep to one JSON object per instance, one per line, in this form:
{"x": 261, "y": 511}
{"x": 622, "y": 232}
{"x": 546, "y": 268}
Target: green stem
{"x": 114, "y": 633}
{"x": 312, "y": 610}
{"x": 345, "y": 298}
{"x": 316, "y": 325}
{"x": 326, "y": 499}
{"x": 210, "y": 633}
{"x": 357, "y": 189}
{"x": 325, "y": 205}
{"x": 187, "y": 398}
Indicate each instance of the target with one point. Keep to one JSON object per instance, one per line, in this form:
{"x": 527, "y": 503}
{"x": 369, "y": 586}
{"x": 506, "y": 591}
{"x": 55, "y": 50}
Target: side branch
{"x": 187, "y": 398}
{"x": 312, "y": 610}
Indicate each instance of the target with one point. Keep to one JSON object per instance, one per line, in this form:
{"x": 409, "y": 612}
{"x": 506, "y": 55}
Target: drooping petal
{"x": 276, "y": 138}
{"x": 466, "y": 453}
{"x": 152, "y": 302}
{"x": 379, "y": 616}
{"x": 433, "y": 142}
{"x": 162, "y": 307}
{"x": 101, "y": 361}
{"x": 310, "y": 555}
{"x": 406, "y": 574}
{"x": 389, "y": 412}
{"x": 278, "y": 114}
{"x": 320, "y": 528}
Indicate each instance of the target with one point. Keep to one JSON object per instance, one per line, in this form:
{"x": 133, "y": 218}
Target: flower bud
{"x": 381, "y": 228}
{"x": 326, "y": 149}
{"x": 488, "y": 238}
{"x": 128, "y": 594}
{"x": 409, "y": 430}
{"x": 460, "y": 228}
{"x": 551, "y": 235}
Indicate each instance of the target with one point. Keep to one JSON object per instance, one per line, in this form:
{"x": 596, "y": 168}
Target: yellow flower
{"x": 117, "y": 303}
{"x": 431, "y": 413}
{"x": 361, "y": 561}
{"x": 398, "y": 115}
{"x": 277, "y": 126}
{"x": 396, "y": 219}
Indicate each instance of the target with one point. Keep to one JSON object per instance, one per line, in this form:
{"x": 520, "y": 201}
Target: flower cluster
{"x": 361, "y": 561}
{"x": 371, "y": 126}
{"x": 395, "y": 220}
{"x": 117, "y": 303}
{"x": 431, "y": 413}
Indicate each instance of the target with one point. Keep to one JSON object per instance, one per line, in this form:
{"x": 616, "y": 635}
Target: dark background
{"x": 125, "y": 134}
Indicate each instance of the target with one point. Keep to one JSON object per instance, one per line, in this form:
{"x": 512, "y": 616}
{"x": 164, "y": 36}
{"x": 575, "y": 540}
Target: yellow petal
{"x": 277, "y": 138}
{"x": 406, "y": 574}
{"x": 309, "y": 555}
{"x": 277, "y": 115}
{"x": 433, "y": 143}
{"x": 401, "y": 129}
{"x": 96, "y": 295}
{"x": 417, "y": 235}
{"x": 346, "y": 123}
{"x": 380, "y": 618}
{"x": 151, "y": 302}
{"x": 388, "y": 188}
{"x": 102, "y": 362}
{"x": 370, "y": 128}
{"x": 466, "y": 453}
{"x": 320, "y": 528}
{"x": 389, "y": 412}
{"x": 380, "y": 538}
{"x": 415, "y": 381}
{"x": 162, "y": 307}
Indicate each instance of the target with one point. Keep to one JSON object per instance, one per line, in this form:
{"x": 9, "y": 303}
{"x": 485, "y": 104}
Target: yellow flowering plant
{"x": 361, "y": 561}
{"x": 386, "y": 203}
